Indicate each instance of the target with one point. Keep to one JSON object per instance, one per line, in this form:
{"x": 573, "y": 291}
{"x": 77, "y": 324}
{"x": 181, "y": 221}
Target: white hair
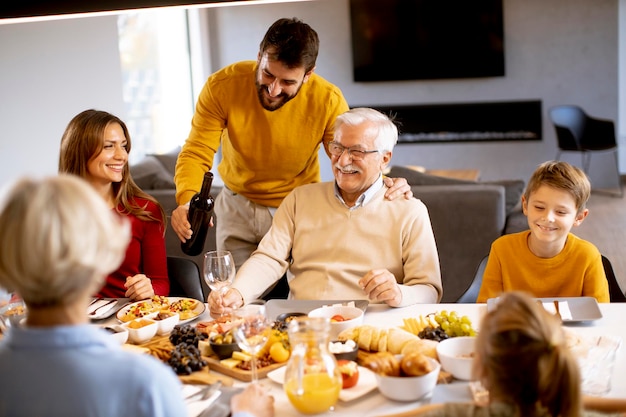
{"x": 387, "y": 131}
{"x": 59, "y": 240}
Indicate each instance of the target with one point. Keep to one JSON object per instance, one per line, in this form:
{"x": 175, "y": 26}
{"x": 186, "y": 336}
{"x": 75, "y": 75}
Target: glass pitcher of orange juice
{"x": 312, "y": 377}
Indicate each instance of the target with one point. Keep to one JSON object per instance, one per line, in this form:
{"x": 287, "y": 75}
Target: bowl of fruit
{"x": 341, "y": 317}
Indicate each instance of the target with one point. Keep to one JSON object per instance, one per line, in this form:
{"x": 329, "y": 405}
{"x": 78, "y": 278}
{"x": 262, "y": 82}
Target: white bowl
{"x": 117, "y": 332}
{"x": 166, "y": 325}
{"x": 142, "y": 334}
{"x": 456, "y": 355}
{"x": 409, "y": 388}
{"x": 353, "y": 317}
{"x": 12, "y": 314}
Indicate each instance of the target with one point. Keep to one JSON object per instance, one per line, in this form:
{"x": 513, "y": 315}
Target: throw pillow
{"x": 149, "y": 174}
{"x": 168, "y": 159}
{"x": 513, "y": 189}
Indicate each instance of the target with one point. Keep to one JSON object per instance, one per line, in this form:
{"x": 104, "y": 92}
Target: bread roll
{"x": 383, "y": 363}
{"x": 415, "y": 364}
{"x": 397, "y": 339}
{"x": 424, "y": 346}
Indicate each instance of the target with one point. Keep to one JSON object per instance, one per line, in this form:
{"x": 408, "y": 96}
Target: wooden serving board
{"x": 240, "y": 374}
{"x": 161, "y": 348}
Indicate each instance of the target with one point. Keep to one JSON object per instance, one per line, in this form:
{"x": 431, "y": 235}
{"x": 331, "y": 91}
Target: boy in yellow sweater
{"x": 548, "y": 260}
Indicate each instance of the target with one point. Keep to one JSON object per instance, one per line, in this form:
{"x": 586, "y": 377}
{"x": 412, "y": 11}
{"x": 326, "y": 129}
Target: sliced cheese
{"x": 230, "y": 362}
{"x": 242, "y": 356}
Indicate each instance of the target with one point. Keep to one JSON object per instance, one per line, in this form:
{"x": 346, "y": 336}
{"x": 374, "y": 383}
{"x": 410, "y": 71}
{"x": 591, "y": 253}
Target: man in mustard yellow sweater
{"x": 270, "y": 117}
{"x": 343, "y": 239}
{"x": 548, "y": 260}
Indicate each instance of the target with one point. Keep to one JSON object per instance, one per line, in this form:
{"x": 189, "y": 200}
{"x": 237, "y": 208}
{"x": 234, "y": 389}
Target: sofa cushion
{"x": 513, "y": 189}
{"x": 149, "y": 174}
{"x": 168, "y": 159}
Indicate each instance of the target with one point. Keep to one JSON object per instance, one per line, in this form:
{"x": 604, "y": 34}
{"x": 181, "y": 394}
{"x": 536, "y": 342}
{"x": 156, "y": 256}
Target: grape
{"x": 453, "y": 324}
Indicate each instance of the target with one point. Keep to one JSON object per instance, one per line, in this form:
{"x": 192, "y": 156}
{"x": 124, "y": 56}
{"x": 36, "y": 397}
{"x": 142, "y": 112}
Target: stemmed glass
{"x": 252, "y": 332}
{"x": 219, "y": 270}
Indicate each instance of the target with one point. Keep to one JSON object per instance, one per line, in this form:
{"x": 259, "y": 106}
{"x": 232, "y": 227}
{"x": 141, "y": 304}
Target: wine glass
{"x": 219, "y": 270}
{"x": 252, "y": 332}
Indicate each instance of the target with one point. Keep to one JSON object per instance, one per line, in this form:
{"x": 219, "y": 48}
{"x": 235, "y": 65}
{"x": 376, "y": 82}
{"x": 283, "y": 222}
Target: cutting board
{"x": 161, "y": 347}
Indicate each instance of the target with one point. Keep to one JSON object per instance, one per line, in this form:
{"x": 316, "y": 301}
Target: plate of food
{"x": 188, "y": 309}
{"x": 366, "y": 383}
{"x": 569, "y": 309}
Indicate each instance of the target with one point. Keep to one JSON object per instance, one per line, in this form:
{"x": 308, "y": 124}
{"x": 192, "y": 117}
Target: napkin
{"x": 219, "y": 407}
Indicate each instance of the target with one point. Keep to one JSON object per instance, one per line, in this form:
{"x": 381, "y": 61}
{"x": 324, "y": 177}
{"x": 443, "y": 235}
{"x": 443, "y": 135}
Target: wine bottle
{"x": 200, "y": 210}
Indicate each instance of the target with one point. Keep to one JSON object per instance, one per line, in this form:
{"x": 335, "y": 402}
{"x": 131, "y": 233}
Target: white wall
{"x": 559, "y": 51}
{"x": 51, "y": 71}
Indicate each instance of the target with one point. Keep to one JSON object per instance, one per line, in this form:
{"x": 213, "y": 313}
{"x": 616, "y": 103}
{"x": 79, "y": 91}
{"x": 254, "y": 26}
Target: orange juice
{"x": 321, "y": 392}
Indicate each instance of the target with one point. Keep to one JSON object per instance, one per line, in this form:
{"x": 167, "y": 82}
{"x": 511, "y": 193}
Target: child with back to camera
{"x": 523, "y": 360}
{"x": 548, "y": 260}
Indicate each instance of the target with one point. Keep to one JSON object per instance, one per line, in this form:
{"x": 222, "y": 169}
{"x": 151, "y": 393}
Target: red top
{"x": 145, "y": 255}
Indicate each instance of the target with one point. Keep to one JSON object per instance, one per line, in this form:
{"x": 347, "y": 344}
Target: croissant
{"x": 383, "y": 363}
{"x": 415, "y": 364}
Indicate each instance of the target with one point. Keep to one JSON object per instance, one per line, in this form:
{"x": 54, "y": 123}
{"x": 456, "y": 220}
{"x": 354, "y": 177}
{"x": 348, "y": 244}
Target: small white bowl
{"x": 166, "y": 325}
{"x": 13, "y": 313}
{"x": 353, "y": 317}
{"x": 117, "y": 332}
{"x": 456, "y": 355}
{"x": 142, "y": 334}
{"x": 409, "y": 388}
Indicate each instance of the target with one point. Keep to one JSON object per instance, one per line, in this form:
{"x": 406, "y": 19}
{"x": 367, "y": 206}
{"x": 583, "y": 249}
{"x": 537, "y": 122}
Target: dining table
{"x": 374, "y": 403}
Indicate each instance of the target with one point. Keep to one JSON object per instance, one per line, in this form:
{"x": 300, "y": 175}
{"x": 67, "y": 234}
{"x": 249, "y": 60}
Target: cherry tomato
{"x": 349, "y": 373}
{"x": 337, "y": 317}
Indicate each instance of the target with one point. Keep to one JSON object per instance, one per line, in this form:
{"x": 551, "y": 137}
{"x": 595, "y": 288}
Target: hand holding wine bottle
{"x": 200, "y": 211}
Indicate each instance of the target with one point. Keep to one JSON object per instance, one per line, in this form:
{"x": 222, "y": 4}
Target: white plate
{"x": 275, "y": 307}
{"x": 197, "y": 311}
{"x": 104, "y": 310}
{"x": 367, "y": 382}
{"x": 582, "y": 308}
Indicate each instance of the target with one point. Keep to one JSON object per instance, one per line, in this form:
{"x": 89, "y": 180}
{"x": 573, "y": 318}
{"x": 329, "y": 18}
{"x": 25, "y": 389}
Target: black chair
{"x": 185, "y": 278}
{"x": 471, "y": 293}
{"x": 615, "y": 292}
{"x": 578, "y": 132}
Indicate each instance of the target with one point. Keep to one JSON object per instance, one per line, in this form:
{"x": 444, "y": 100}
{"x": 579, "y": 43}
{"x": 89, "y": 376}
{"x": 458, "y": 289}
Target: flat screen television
{"x": 426, "y": 39}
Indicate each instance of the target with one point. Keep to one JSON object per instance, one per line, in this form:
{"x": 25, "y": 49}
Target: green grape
{"x": 466, "y": 319}
{"x": 438, "y": 318}
{"x": 466, "y": 328}
{"x": 444, "y": 314}
{"x": 453, "y": 316}
{"x": 445, "y": 325}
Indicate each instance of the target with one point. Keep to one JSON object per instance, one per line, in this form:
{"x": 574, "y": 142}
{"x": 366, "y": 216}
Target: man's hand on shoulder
{"x": 397, "y": 188}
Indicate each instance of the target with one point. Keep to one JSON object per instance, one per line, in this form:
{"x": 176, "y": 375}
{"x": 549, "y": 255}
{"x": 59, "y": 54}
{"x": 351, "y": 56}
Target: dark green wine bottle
{"x": 200, "y": 210}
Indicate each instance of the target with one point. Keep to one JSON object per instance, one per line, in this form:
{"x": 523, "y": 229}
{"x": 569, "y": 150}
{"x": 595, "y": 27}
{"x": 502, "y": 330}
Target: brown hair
{"x": 523, "y": 359}
{"x": 83, "y": 140}
{"x": 294, "y": 43}
{"x": 562, "y": 176}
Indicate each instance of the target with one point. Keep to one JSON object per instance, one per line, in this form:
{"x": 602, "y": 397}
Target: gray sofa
{"x": 466, "y": 216}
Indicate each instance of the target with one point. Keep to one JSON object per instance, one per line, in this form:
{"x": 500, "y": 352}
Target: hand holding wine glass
{"x": 252, "y": 332}
{"x": 219, "y": 271}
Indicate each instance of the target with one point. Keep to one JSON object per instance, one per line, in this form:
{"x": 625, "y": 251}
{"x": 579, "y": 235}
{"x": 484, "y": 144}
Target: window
{"x": 156, "y": 76}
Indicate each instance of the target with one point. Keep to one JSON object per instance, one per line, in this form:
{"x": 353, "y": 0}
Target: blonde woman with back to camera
{"x": 524, "y": 362}
{"x": 59, "y": 241}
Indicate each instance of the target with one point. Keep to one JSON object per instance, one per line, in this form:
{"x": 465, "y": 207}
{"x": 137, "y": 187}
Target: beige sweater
{"x": 328, "y": 247}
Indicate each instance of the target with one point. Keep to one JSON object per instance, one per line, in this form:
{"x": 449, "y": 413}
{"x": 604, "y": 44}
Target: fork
{"x": 206, "y": 392}
{"x": 93, "y": 313}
